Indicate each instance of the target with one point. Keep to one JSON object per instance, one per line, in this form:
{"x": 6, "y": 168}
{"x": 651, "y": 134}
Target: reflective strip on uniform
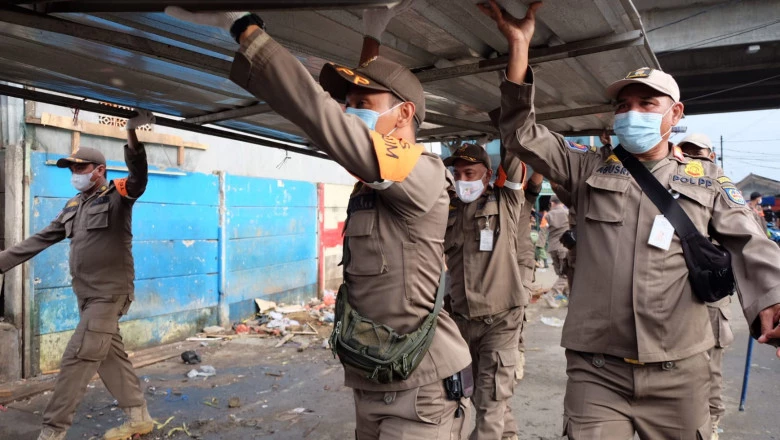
{"x": 513, "y": 185}
{"x": 121, "y": 186}
{"x": 380, "y": 185}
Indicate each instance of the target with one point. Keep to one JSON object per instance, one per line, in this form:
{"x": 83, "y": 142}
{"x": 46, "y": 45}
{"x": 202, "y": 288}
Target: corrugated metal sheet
{"x": 154, "y": 61}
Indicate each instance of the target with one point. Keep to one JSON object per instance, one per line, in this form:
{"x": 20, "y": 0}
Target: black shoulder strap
{"x": 657, "y": 194}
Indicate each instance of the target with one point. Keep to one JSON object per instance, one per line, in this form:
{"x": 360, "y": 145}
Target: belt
{"x": 599, "y": 360}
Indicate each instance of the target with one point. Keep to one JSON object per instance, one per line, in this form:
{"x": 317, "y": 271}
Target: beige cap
{"x": 378, "y": 74}
{"x": 82, "y": 155}
{"x": 656, "y": 79}
{"x": 698, "y": 139}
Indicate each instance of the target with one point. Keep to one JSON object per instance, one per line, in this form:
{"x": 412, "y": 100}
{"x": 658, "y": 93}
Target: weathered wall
{"x": 333, "y": 211}
{"x": 272, "y": 238}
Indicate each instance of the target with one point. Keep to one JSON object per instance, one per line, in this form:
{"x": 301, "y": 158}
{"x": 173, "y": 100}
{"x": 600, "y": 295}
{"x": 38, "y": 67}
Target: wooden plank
{"x": 110, "y": 131}
{"x": 75, "y": 141}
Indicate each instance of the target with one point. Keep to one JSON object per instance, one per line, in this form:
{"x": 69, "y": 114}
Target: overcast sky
{"x": 751, "y": 140}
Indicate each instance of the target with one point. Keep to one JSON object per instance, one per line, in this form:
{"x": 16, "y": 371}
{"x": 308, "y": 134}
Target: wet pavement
{"x": 296, "y": 392}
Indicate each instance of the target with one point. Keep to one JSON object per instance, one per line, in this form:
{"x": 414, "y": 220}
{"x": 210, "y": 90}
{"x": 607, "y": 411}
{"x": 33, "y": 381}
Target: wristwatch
{"x": 240, "y": 25}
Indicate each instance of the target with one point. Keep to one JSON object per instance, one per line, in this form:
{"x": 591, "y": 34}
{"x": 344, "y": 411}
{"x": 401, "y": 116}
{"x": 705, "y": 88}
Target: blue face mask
{"x": 639, "y": 132}
{"x": 370, "y": 117}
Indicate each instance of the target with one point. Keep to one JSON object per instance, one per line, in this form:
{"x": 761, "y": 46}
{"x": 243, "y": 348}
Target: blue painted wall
{"x": 271, "y": 249}
{"x": 272, "y": 241}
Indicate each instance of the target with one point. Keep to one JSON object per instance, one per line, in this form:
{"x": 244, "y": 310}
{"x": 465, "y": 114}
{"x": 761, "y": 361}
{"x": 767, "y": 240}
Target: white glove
{"x": 216, "y": 19}
{"x": 375, "y": 21}
{"x": 142, "y": 118}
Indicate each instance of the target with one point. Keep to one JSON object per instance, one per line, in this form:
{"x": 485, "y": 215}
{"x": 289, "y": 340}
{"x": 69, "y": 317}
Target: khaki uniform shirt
{"x": 558, "y": 221}
{"x": 630, "y": 299}
{"x": 99, "y": 227}
{"x": 484, "y": 283}
{"x": 395, "y": 229}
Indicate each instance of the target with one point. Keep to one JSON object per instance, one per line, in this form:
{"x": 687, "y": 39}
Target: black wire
{"x": 694, "y": 15}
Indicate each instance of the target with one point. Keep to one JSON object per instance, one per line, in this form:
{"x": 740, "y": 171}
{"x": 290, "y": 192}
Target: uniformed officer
{"x": 569, "y": 238}
{"x": 558, "y": 221}
{"x": 486, "y": 291}
{"x": 636, "y": 335}
{"x": 526, "y": 260}
{"x": 397, "y": 216}
{"x": 98, "y": 223}
{"x": 699, "y": 146}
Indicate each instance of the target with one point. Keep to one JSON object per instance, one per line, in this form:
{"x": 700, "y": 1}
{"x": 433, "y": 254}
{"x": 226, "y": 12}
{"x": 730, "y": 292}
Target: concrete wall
{"x": 333, "y": 212}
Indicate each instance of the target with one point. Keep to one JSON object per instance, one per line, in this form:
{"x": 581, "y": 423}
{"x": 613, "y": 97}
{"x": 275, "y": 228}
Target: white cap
{"x": 698, "y": 139}
{"x": 656, "y": 79}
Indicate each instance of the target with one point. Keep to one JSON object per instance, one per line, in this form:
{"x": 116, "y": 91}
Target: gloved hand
{"x": 375, "y": 21}
{"x": 142, "y": 118}
{"x": 216, "y": 19}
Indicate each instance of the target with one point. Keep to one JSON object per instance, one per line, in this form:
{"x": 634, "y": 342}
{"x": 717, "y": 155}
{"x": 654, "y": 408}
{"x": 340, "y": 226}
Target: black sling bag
{"x": 709, "y": 265}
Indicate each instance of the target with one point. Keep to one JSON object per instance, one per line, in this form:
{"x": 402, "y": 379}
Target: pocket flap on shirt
{"x": 607, "y": 183}
{"x": 360, "y": 224}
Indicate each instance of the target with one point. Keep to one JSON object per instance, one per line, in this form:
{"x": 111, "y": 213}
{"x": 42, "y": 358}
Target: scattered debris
{"x": 3, "y": 409}
{"x": 329, "y": 298}
{"x": 190, "y": 357}
{"x": 234, "y": 402}
{"x": 264, "y": 306}
{"x": 241, "y": 329}
{"x": 160, "y": 426}
{"x": 284, "y": 340}
{"x": 214, "y": 329}
{"x": 182, "y": 428}
{"x": 290, "y": 309}
{"x": 279, "y": 374}
{"x": 552, "y": 322}
{"x": 214, "y": 402}
{"x": 205, "y": 371}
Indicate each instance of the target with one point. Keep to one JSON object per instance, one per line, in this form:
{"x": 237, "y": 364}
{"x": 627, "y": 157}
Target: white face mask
{"x": 468, "y": 191}
{"x": 82, "y": 182}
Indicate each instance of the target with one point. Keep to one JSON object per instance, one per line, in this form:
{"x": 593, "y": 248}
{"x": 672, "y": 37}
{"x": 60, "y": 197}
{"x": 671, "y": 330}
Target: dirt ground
{"x": 296, "y": 392}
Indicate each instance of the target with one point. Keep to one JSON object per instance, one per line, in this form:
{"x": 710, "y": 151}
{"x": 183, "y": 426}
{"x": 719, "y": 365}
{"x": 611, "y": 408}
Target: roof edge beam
{"x": 449, "y": 121}
{"x": 202, "y": 5}
{"x": 65, "y": 101}
{"x": 536, "y": 56}
{"x": 241, "y": 112}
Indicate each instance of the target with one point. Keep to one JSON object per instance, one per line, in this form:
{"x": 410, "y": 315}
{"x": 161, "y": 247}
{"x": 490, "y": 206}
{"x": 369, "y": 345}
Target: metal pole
{"x": 746, "y": 378}
{"x": 721, "y": 153}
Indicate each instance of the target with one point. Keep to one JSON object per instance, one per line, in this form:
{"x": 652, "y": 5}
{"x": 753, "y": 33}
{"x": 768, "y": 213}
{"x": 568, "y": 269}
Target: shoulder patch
{"x": 579, "y": 148}
{"x": 613, "y": 159}
{"x": 694, "y": 168}
{"x": 396, "y": 157}
{"x": 72, "y": 203}
{"x": 734, "y": 195}
{"x": 723, "y": 180}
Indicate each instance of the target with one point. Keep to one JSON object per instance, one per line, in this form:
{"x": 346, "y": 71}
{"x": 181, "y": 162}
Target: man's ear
{"x": 677, "y": 112}
{"x": 406, "y": 114}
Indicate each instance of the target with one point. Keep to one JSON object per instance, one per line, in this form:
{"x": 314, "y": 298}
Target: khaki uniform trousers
{"x": 610, "y": 399}
{"x": 422, "y": 413}
{"x": 493, "y": 344}
{"x": 95, "y": 347}
{"x": 723, "y": 338}
{"x": 561, "y": 266}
